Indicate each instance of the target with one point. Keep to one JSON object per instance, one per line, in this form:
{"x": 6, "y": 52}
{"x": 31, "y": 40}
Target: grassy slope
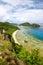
{"x": 10, "y": 28}
{"x": 6, "y": 51}
{"x": 9, "y": 48}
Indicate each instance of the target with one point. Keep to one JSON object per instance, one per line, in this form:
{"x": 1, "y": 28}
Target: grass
{"x": 1, "y": 48}
{"x": 1, "y": 36}
{"x": 3, "y": 62}
{"x": 6, "y": 44}
{"x": 6, "y": 51}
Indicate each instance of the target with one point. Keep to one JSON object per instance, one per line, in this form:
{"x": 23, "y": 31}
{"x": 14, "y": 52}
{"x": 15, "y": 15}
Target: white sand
{"x": 14, "y": 36}
{"x": 31, "y": 40}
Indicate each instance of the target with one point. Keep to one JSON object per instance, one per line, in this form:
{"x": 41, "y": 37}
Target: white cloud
{"x": 30, "y": 3}
{"x": 2, "y": 11}
{"x": 29, "y": 15}
{"x": 21, "y": 10}
{"x": 16, "y": 2}
{"x": 4, "y": 15}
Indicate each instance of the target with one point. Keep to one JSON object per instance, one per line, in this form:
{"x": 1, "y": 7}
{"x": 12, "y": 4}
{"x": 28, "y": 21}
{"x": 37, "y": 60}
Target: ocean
{"x": 35, "y": 32}
{"x": 30, "y": 36}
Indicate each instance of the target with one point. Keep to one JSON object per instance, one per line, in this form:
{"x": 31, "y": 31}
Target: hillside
{"x": 7, "y": 54}
{"x": 10, "y": 28}
{"x": 13, "y": 54}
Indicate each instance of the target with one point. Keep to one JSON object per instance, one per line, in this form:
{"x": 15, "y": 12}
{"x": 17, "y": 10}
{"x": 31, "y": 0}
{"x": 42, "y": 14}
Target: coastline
{"x": 29, "y": 48}
{"x": 14, "y": 36}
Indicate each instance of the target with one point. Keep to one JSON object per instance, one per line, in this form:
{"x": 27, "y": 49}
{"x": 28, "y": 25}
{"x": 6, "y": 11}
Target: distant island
{"x": 30, "y": 25}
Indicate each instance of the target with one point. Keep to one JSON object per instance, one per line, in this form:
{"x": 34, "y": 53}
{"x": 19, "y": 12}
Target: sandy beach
{"x": 14, "y": 36}
{"x": 27, "y": 46}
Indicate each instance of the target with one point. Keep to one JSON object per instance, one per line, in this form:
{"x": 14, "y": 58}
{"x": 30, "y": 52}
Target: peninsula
{"x": 30, "y": 25}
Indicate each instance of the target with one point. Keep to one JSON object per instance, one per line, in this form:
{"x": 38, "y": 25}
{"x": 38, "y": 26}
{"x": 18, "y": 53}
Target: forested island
{"x": 12, "y": 53}
{"x": 30, "y": 25}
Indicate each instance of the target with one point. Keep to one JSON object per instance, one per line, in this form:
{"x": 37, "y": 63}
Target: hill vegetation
{"x": 25, "y": 24}
{"x": 14, "y": 54}
{"x": 30, "y": 25}
{"x": 8, "y": 27}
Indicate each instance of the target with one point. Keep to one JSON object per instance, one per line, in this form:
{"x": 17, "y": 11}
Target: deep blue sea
{"x": 35, "y": 32}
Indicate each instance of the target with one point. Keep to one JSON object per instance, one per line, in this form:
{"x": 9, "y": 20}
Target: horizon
{"x": 21, "y": 11}
{"x": 21, "y": 22}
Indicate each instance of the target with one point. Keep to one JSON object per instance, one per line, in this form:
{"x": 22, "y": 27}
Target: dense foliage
{"x": 9, "y": 28}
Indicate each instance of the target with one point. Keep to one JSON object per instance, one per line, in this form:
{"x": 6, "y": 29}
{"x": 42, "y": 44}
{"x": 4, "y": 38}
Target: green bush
{"x": 1, "y": 36}
{"x": 3, "y": 62}
{"x": 31, "y": 58}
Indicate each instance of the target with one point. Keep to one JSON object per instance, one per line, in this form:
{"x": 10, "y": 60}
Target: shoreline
{"x": 25, "y": 46}
{"x": 14, "y": 37}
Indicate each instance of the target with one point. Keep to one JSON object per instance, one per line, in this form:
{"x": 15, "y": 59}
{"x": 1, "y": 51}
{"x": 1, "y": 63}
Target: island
{"x": 30, "y": 25}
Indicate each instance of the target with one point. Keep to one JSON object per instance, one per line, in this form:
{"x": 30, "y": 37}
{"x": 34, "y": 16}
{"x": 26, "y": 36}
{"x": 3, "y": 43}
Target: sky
{"x": 20, "y": 11}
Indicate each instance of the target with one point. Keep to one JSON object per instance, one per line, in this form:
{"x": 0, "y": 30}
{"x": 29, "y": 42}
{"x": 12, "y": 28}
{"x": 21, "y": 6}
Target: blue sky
{"x": 18, "y": 11}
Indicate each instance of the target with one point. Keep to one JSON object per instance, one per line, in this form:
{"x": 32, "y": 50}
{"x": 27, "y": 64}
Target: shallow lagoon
{"x": 30, "y": 36}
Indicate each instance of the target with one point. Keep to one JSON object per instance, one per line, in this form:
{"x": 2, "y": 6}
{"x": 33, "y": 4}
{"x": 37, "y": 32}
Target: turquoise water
{"x": 35, "y": 32}
{"x": 32, "y": 37}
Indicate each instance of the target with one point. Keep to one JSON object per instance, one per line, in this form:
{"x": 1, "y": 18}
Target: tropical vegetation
{"x": 10, "y": 51}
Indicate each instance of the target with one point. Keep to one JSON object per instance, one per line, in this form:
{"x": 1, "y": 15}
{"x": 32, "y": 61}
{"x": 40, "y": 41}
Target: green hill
{"x": 30, "y": 25}
{"x": 25, "y": 24}
{"x": 35, "y": 25}
{"x": 10, "y": 28}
